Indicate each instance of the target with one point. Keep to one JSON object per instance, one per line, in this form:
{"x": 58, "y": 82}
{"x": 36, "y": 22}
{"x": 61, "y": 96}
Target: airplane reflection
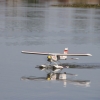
{"x": 85, "y": 83}
{"x": 58, "y": 76}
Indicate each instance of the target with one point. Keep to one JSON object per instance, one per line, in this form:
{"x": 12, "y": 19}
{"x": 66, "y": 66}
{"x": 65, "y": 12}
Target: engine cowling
{"x": 49, "y": 58}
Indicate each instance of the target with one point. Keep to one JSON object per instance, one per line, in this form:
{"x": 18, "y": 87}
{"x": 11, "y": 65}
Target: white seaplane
{"x": 54, "y": 57}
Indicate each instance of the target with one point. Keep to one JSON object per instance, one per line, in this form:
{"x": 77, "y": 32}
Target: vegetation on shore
{"x": 78, "y": 5}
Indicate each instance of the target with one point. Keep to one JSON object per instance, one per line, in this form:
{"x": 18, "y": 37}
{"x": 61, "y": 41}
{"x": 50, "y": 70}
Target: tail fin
{"x": 65, "y": 50}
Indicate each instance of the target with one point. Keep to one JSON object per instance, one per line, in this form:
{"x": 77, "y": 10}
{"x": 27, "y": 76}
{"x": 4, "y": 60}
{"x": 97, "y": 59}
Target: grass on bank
{"x": 79, "y": 5}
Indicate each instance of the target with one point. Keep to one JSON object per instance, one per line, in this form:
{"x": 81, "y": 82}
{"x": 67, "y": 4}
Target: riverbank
{"x": 78, "y": 5}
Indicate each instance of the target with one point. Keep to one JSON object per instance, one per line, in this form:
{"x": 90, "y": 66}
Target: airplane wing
{"x": 41, "y": 53}
{"x": 37, "y": 53}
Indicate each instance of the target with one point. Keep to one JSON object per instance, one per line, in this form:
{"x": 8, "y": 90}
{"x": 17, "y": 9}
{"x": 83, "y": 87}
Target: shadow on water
{"x": 77, "y": 65}
{"x": 82, "y": 65}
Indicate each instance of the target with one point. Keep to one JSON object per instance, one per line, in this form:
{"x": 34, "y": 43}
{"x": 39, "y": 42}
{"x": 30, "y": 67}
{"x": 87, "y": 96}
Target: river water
{"x": 37, "y": 27}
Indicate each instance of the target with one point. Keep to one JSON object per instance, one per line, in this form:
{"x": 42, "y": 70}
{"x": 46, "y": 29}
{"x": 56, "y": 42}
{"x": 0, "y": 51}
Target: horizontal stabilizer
{"x": 75, "y": 54}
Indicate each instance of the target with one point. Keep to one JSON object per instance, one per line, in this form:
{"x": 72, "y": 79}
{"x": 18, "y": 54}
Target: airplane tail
{"x": 65, "y": 50}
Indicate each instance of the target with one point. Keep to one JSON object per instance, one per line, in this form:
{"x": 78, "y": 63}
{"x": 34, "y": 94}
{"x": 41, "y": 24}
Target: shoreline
{"x": 78, "y": 5}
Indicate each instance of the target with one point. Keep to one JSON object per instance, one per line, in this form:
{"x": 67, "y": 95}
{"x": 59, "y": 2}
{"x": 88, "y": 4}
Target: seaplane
{"x": 54, "y": 58}
{"x": 54, "y": 69}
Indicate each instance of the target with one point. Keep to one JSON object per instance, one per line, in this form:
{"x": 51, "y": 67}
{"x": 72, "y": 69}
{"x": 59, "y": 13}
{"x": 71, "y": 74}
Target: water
{"x": 37, "y": 27}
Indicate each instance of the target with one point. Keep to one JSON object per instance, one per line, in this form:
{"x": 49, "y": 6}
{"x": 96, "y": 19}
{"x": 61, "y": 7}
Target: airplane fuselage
{"x": 55, "y": 58}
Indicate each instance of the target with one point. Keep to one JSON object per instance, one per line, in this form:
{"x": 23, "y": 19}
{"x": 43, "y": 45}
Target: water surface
{"x": 47, "y": 29}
